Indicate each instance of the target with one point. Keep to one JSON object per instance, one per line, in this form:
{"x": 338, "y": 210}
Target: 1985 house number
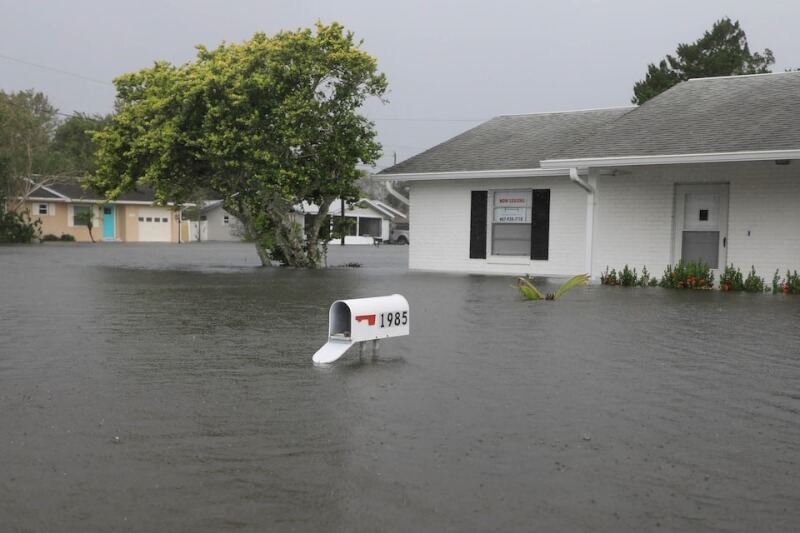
{"x": 389, "y": 320}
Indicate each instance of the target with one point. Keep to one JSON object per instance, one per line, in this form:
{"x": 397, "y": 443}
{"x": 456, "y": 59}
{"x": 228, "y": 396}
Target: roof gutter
{"x": 719, "y": 157}
{"x": 474, "y": 174}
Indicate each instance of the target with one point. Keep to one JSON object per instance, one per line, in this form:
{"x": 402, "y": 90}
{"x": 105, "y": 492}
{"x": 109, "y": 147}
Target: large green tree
{"x": 74, "y": 145}
{"x": 266, "y": 125}
{"x": 28, "y": 123}
{"x": 723, "y": 51}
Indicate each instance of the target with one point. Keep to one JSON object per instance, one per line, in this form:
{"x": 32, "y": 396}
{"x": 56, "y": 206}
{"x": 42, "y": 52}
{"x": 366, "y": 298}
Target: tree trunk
{"x": 281, "y": 239}
{"x": 263, "y": 253}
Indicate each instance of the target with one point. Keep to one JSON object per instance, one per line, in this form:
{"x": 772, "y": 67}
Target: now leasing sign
{"x": 512, "y": 206}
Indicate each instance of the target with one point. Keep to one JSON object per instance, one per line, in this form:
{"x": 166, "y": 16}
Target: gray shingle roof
{"x": 509, "y": 142}
{"x": 708, "y": 115}
{"x": 72, "y": 189}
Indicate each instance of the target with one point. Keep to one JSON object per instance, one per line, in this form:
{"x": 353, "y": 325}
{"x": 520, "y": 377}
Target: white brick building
{"x": 709, "y": 170}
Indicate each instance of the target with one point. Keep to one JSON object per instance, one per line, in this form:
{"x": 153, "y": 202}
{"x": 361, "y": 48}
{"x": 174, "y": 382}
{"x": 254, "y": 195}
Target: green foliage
{"x": 84, "y": 216}
{"x": 65, "y": 237}
{"x": 692, "y": 275}
{"x": 609, "y": 278}
{"x": 731, "y": 279}
{"x": 627, "y": 278}
{"x": 790, "y": 284}
{"x": 18, "y": 227}
{"x": 15, "y": 227}
{"x": 646, "y": 280}
{"x": 530, "y": 292}
{"x": 74, "y": 142}
{"x": 27, "y": 125}
{"x": 753, "y": 282}
{"x": 723, "y": 51}
{"x": 265, "y": 125}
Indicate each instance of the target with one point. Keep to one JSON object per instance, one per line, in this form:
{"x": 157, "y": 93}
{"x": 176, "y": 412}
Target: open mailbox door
{"x": 360, "y": 320}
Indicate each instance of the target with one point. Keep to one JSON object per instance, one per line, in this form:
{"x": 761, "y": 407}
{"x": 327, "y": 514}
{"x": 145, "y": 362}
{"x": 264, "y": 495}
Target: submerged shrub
{"x": 788, "y": 285}
{"x": 731, "y": 279}
{"x": 645, "y": 280}
{"x": 627, "y": 277}
{"x": 18, "y": 227}
{"x": 753, "y": 282}
{"x": 609, "y": 278}
{"x": 691, "y": 275}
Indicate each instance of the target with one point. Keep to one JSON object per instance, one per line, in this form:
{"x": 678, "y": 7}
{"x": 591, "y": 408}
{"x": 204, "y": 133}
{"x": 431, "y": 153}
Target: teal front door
{"x": 109, "y": 222}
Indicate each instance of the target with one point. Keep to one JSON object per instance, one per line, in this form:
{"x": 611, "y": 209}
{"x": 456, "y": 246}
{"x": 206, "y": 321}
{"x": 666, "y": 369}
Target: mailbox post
{"x": 361, "y": 320}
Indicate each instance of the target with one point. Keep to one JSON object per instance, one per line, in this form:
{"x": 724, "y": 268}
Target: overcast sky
{"x": 451, "y": 64}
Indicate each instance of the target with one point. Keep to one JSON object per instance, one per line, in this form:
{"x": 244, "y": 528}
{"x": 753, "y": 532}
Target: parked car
{"x": 400, "y": 234}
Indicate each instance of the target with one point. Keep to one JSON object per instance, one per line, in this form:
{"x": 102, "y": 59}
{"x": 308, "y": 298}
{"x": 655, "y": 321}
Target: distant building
{"x": 369, "y": 221}
{"x": 131, "y": 218}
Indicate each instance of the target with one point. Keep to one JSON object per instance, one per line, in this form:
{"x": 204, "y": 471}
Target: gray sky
{"x": 450, "y": 63}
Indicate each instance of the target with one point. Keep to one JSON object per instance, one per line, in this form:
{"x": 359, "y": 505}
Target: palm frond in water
{"x": 574, "y": 281}
{"x": 526, "y": 288}
{"x": 530, "y": 292}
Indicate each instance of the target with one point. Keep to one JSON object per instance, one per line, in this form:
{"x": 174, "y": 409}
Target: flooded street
{"x": 171, "y": 388}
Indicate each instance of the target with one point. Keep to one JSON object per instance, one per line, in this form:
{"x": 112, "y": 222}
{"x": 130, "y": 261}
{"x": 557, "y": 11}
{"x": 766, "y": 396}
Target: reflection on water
{"x": 171, "y": 388}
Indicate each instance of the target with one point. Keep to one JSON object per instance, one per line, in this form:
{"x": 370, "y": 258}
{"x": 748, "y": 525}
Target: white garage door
{"x": 154, "y": 225}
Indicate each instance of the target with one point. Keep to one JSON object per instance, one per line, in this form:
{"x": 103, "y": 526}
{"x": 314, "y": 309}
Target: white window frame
{"x": 515, "y": 205}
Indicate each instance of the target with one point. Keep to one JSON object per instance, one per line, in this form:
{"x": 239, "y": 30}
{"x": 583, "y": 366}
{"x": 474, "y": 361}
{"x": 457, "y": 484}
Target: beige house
{"x": 131, "y": 218}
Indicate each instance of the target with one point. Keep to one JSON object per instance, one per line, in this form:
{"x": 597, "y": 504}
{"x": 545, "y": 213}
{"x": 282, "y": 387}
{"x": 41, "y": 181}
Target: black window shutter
{"x": 540, "y": 224}
{"x": 477, "y": 225}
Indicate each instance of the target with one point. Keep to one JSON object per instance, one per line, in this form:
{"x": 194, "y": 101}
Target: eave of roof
{"x": 476, "y": 174}
{"x": 673, "y": 159}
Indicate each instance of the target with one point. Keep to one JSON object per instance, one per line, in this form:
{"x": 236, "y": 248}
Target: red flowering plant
{"x": 788, "y": 285}
{"x": 691, "y": 275}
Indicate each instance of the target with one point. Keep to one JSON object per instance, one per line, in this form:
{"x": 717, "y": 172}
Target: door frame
{"x": 681, "y": 191}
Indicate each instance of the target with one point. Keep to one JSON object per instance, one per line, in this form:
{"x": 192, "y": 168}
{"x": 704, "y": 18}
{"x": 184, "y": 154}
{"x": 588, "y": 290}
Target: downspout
{"x": 394, "y": 193}
{"x": 590, "y": 191}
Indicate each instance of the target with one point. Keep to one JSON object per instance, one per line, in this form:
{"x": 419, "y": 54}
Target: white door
{"x": 701, "y": 224}
{"x": 154, "y": 225}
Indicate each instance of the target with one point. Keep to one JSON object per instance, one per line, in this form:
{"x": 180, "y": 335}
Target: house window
{"x": 79, "y": 211}
{"x": 226, "y": 220}
{"x": 511, "y": 222}
{"x": 44, "y": 209}
{"x": 517, "y": 222}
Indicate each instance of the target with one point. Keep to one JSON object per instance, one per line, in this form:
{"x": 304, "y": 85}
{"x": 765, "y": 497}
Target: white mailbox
{"x": 360, "y": 320}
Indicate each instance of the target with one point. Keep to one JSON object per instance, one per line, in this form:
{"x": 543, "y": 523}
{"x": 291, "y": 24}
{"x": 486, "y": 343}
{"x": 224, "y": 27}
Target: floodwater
{"x": 171, "y": 388}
